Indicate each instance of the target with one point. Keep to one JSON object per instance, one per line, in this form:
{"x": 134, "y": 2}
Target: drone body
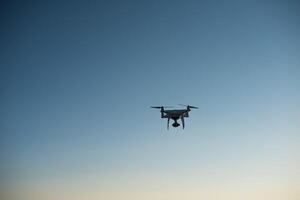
{"x": 175, "y": 114}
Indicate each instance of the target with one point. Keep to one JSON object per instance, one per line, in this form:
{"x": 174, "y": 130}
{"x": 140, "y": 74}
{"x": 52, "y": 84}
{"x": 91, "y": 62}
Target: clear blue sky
{"x": 78, "y": 77}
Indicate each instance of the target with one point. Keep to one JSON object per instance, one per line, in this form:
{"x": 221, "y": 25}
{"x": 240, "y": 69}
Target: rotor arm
{"x": 162, "y": 112}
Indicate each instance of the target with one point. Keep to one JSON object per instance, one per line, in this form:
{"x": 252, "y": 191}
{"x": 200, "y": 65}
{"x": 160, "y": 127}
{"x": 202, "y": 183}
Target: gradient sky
{"x": 78, "y": 77}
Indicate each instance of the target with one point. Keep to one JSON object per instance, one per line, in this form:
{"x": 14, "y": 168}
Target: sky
{"x": 78, "y": 79}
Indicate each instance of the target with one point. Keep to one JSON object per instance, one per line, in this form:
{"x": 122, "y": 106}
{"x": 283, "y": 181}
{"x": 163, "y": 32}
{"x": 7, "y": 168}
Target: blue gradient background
{"x": 78, "y": 77}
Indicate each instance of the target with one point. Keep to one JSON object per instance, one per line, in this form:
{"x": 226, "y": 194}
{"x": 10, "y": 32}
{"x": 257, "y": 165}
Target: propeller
{"x": 188, "y": 106}
{"x": 160, "y": 107}
{"x": 157, "y": 107}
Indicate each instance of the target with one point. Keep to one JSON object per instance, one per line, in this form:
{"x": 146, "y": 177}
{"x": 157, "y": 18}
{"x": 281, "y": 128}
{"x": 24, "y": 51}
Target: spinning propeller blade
{"x": 160, "y": 107}
{"x": 189, "y": 106}
{"x": 157, "y": 107}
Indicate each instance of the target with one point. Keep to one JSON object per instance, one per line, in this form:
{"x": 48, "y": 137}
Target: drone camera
{"x": 175, "y": 124}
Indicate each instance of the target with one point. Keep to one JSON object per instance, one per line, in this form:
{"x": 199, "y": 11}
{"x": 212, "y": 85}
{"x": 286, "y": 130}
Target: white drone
{"x": 175, "y": 114}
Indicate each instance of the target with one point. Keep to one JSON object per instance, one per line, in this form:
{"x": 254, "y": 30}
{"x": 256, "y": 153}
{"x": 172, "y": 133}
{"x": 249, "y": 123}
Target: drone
{"x": 175, "y": 114}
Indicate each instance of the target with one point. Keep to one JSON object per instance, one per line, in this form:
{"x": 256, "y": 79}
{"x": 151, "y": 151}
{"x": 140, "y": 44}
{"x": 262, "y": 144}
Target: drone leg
{"x": 182, "y": 121}
{"x": 168, "y": 123}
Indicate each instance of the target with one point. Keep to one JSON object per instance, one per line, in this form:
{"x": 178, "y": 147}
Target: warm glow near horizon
{"x": 160, "y": 191}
